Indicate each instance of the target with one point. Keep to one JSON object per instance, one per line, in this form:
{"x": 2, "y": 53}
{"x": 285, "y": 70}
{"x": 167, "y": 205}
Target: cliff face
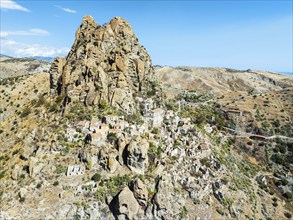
{"x": 106, "y": 63}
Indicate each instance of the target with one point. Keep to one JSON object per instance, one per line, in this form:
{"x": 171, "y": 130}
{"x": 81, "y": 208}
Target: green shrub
{"x": 41, "y": 101}
{"x": 59, "y": 99}
{"x": 111, "y": 137}
{"x": 288, "y": 195}
{"x": 117, "y": 183}
{"x": 227, "y": 202}
{"x": 288, "y": 215}
{"x": 56, "y": 183}
{"x": 155, "y": 131}
{"x": 103, "y": 104}
{"x": 2, "y": 174}
{"x": 96, "y": 177}
{"x": 100, "y": 194}
{"x": 15, "y": 152}
{"x": 39, "y": 185}
{"x": 60, "y": 169}
{"x": 53, "y": 108}
{"x": 275, "y": 204}
{"x": 278, "y": 158}
{"x": 25, "y": 112}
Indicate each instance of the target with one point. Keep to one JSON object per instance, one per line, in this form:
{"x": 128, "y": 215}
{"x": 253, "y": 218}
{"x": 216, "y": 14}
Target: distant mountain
{"x": 219, "y": 80}
{"x": 48, "y": 59}
{"x": 287, "y": 73}
{"x": 3, "y": 55}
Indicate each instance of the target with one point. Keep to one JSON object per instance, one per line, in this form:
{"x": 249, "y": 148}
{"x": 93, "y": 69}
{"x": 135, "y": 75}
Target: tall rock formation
{"x": 105, "y": 64}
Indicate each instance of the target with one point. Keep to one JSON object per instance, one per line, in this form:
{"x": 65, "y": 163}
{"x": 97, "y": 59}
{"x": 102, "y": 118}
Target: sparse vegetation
{"x": 96, "y": 177}
{"x": 25, "y": 112}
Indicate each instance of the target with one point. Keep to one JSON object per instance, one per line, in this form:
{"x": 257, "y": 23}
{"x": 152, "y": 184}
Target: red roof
{"x": 81, "y": 123}
{"x": 96, "y": 135}
{"x": 203, "y": 146}
{"x": 113, "y": 131}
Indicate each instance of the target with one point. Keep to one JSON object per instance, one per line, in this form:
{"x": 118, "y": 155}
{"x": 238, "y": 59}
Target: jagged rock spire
{"x": 106, "y": 63}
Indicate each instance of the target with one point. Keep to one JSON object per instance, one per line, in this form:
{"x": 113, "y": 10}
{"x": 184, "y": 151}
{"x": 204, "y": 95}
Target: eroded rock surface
{"x": 106, "y": 64}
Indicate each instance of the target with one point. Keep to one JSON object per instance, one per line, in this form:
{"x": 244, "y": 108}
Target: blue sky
{"x": 234, "y": 34}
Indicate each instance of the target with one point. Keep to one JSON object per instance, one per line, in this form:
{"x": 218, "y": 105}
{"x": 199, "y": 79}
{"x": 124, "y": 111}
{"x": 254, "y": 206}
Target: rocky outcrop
{"x": 140, "y": 192}
{"x": 168, "y": 202}
{"x": 137, "y": 155}
{"x": 55, "y": 73}
{"x": 35, "y": 166}
{"x": 127, "y": 207}
{"x": 105, "y": 64}
{"x": 112, "y": 164}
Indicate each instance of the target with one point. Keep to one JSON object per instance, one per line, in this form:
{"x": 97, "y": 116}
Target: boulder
{"x": 261, "y": 179}
{"x": 140, "y": 192}
{"x": 137, "y": 155}
{"x": 219, "y": 196}
{"x": 112, "y": 164}
{"x": 126, "y": 207}
{"x": 167, "y": 201}
{"x": 15, "y": 172}
{"x": 22, "y": 192}
{"x": 35, "y": 166}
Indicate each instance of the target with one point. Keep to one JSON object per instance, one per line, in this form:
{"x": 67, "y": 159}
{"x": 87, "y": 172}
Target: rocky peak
{"x": 105, "y": 64}
{"x": 88, "y": 20}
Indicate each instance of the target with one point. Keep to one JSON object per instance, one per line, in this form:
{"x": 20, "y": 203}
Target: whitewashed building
{"x": 97, "y": 138}
{"x": 111, "y": 119}
{"x": 82, "y": 125}
{"x": 74, "y": 170}
{"x": 155, "y": 117}
{"x": 71, "y": 134}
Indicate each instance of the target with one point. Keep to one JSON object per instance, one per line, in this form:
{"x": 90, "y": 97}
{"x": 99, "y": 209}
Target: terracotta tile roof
{"x": 157, "y": 110}
{"x": 95, "y": 120}
{"x": 111, "y": 116}
{"x": 203, "y": 146}
{"x": 81, "y": 123}
{"x": 113, "y": 131}
{"x": 96, "y": 135}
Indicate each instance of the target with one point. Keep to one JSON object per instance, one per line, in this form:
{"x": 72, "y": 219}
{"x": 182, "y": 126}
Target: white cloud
{"x": 11, "y": 5}
{"x": 66, "y": 9}
{"x": 17, "y": 49}
{"x": 69, "y": 10}
{"x": 30, "y": 32}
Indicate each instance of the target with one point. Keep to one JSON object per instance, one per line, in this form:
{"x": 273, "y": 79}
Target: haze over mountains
{"x": 104, "y": 134}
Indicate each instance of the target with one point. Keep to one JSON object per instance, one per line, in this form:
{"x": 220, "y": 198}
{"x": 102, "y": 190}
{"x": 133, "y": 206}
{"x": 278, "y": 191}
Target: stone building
{"x": 96, "y": 138}
{"x": 155, "y": 117}
{"x": 74, "y": 170}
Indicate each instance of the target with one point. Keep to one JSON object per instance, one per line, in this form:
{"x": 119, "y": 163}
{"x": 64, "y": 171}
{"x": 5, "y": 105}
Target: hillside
{"x": 12, "y": 67}
{"x": 220, "y": 80}
{"x": 105, "y": 135}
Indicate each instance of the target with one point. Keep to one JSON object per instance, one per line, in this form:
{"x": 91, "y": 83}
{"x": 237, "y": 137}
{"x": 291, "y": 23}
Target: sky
{"x": 234, "y": 34}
